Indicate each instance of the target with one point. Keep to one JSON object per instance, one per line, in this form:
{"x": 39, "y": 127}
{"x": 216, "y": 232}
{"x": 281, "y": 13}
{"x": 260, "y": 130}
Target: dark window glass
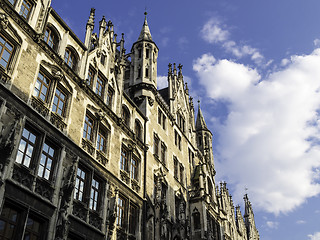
{"x": 102, "y": 140}
{"x": 69, "y": 58}
{"x": 109, "y": 97}
{"x": 91, "y": 74}
{"x": 80, "y": 182}
{"x": 6, "y": 50}
{"x": 133, "y": 219}
{"x": 51, "y": 38}
{"x": 59, "y": 102}
{"x": 156, "y": 142}
{"x": 175, "y": 162}
{"x": 33, "y": 229}
{"x": 163, "y": 153}
{"x": 134, "y": 168}
{"x": 41, "y": 89}
{"x": 137, "y": 130}
{"x": 26, "y": 147}
{"x": 46, "y": 162}
{"x": 88, "y": 128}
{"x": 8, "y": 223}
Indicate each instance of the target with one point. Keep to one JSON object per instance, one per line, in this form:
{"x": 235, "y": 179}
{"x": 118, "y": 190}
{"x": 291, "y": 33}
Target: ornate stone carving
{"x": 101, "y": 158}
{"x": 3, "y": 21}
{"x": 87, "y": 146}
{"x": 23, "y": 176}
{"x": 39, "y": 105}
{"x": 57, "y": 120}
{"x": 150, "y": 101}
{"x": 95, "y": 220}
{"x": 44, "y": 189}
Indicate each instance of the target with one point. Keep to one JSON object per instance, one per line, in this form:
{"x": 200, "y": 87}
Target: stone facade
{"x": 90, "y": 149}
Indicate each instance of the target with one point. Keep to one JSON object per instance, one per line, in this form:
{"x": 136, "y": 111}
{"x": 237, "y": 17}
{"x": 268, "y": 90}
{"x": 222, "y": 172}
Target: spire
{"x": 200, "y": 123}
{"x": 91, "y": 18}
{"x": 145, "y": 32}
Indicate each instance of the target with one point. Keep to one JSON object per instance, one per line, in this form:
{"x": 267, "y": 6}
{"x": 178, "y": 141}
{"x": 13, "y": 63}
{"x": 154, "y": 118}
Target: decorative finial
{"x": 198, "y": 102}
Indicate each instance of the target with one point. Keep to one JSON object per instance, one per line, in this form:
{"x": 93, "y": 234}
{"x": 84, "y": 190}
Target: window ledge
{"x": 101, "y": 157}
{"x": 87, "y": 145}
{"x": 58, "y": 121}
{"x": 40, "y": 106}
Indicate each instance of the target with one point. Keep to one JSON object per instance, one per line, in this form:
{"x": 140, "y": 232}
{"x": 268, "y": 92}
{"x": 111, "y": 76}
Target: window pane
{"x": 26, "y": 147}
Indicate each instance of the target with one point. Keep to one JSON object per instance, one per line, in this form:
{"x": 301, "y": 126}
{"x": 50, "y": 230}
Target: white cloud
{"x": 269, "y": 141}
{"x": 162, "y": 82}
{"x": 301, "y": 222}
{"x": 212, "y": 32}
{"x": 316, "y": 42}
{"x": 315, "y": 236}
{"x": 272, "y": 225}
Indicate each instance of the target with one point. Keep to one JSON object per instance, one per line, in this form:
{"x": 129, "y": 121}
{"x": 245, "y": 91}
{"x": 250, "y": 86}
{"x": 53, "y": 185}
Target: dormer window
{"x": 51, "y": 38}
{"x": 70, "y": 58}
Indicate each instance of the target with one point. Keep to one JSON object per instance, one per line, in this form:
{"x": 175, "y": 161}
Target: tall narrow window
{"x": 134, "y": 168}
{"x": 70, "y": 58}
{"x": 147, "y": 72}
{"x": 100, "y": 86}
{"x": 124, "y": 159}
{"x": 163, "y": 153}
{"x": 46, "y": 162}
{"x": 156, "y": 142}
{"x": 102, "y": 140}
{"x": 25, "y": 9}
{"x": 26, "y": 147}
{"x": 6, "y": 50}
{"x": 80, "y": 184}
{"x": 94, "y": 195}
{"x": 181, "y": 174}
{"x": 175, "y": 167}
{"x": 147, "y": 53}
{"x": 51, "y": 38}
{"x": 133, "y": 219}
{"x": 126, "y": 115}
{"x": 91, "y": 74}
{"x": 41, "y": 89}
{"x": 88, "y": 128}
{"x": 59, "y": 102}
{"x": 121, "y": 212}
{"x": 109, "y": 97}
{"x": 138, "y": 129}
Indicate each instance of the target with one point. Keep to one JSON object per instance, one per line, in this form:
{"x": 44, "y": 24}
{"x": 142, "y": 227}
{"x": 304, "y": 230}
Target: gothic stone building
{"x": 90, "y": 149}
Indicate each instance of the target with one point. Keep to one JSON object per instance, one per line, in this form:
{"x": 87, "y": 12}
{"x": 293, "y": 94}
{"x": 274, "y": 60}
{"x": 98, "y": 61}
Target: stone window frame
{"x": 127, "y": 216}
{"x": 23, "y": 6}
{"x": 162, "y": 119}
{"x": 181, "y": 121}
{"x": 90, "y": 176}
{"x": 10, "y": 35}
{"x": 41, "y": 138}
{"x": 100, "y": 87}
{"x": 126, "y": 166}
{"x": 54, "y": 33}
{"x": 110, "y": 96}
{"x": 97, "y": 125}
{"x": 126, "y": 116}
{"x": 55, "y": 84}
{"x": 138, "y": 130}
{"x": 71, "y": 54}
{"x": 177, "y": 139}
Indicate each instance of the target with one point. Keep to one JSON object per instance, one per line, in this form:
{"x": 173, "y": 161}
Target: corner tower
{"x": 204, "y": 137}
{"x": 144, "y": 55}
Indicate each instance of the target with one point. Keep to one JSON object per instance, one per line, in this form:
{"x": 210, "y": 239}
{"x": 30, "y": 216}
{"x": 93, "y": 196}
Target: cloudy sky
{"x": 255, "y": 66}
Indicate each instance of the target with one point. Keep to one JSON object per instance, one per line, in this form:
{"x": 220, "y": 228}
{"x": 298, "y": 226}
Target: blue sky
{"x": 255, "y": 66}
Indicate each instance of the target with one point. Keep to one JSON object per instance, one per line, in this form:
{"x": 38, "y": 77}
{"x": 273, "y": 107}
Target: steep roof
{"x": 145, "y": 31}
{"x": 200, "y": 123}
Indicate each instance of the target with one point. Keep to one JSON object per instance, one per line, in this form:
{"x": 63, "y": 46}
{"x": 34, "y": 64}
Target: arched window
{"x": 126, "y": 115}
{"x": 70, "y": 58}
{"x": 51, "y": 37}
{"x": 138, "y": 129}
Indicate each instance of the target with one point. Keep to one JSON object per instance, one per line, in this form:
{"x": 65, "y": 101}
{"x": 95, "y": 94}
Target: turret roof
{"x": 145, "y": 31}
{"x": 200, "y": 123}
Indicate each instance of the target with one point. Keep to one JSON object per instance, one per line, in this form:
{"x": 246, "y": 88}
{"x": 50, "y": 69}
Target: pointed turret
{"x": 145, "y": 34}
{"x": 252, "y": 231}
{"x": 144, "y": 54}
{"x": 200, "y": 123}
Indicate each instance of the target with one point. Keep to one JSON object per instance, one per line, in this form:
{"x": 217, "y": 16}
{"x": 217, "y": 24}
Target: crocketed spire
{"x": 200, "y": 123}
